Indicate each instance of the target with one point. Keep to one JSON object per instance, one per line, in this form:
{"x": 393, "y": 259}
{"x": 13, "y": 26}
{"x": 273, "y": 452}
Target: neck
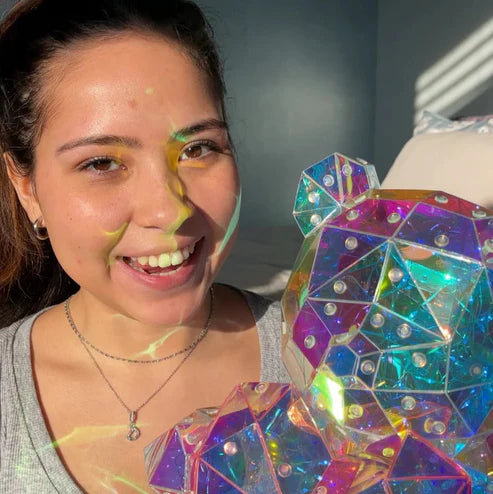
{"x": 123, "y": 336}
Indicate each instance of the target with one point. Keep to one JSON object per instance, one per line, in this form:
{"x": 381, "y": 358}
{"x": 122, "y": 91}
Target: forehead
{"x": 129, "y": 81}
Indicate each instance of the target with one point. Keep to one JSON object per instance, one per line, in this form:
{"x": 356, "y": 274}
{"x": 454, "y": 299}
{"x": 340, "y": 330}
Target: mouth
{"x": 164, "y": 263}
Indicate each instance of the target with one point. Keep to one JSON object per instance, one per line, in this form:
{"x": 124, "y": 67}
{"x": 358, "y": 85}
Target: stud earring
{"x": 40, "y": 231}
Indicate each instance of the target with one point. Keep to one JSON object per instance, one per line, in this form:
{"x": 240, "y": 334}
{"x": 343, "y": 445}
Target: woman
{"x": 119, "y": 199}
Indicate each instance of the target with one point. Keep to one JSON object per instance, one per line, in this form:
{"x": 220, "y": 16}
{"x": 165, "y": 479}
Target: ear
{"x": 24, "y": 187}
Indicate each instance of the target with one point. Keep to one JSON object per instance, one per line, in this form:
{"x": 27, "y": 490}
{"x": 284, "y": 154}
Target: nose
{"x": 160, "y": 198}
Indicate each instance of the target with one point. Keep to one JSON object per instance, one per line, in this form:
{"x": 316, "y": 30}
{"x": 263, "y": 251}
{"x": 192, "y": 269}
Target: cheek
{"x": 218, "y": 197}
{"x": 83, "y": 225}
{"x": 88, "y": 207}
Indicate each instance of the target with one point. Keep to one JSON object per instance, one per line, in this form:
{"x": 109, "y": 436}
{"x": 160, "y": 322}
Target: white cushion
{"x": 460, "y": 163}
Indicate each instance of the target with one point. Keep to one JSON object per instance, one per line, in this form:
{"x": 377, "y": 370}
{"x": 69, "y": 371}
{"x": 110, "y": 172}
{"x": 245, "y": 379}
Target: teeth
{"x": 176, "y": 258}
{"x": 166, "y": 259}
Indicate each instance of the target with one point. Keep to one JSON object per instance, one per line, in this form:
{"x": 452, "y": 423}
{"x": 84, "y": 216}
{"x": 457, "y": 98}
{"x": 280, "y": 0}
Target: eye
{"x": 101, "y": 165}
{"x": 197, "y": 150}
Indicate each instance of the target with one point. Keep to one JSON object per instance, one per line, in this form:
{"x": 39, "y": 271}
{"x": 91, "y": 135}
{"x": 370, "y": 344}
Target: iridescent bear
{"x": 388, "y": 337}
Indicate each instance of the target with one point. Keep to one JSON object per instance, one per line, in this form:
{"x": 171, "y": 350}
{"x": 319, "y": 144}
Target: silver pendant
{"x": 134, "y": 432}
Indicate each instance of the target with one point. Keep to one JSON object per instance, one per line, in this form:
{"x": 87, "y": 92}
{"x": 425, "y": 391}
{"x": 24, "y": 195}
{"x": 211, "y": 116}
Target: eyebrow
{"x": 132, "y": 142}
{"x": 210, "y": 124}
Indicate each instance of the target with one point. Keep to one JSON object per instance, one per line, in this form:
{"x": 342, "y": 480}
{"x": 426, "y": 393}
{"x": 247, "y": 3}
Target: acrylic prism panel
{"x": 391, "y": 302}
{"x": 328, "y": 187}
{"x": 263, "y": 439}
{"x": 388, "y": 338}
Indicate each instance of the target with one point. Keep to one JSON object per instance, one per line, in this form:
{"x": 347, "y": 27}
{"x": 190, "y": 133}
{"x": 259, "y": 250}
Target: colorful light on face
{"x": 114, "y": 238}
{"x": 233, "y": 224}
{"x": 138, "y": 153}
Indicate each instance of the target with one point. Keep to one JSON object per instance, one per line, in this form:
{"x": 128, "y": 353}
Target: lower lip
{"x": 173, "y": 279}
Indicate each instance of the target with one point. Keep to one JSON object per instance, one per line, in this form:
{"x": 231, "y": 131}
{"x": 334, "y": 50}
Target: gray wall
{"x": 5, "y": 5}
{"x": 301, "y": 79}
{"x": 413, "y": 36}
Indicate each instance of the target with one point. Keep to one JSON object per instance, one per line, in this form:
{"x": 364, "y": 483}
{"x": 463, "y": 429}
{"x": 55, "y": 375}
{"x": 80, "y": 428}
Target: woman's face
{"x": 134, "y": 168}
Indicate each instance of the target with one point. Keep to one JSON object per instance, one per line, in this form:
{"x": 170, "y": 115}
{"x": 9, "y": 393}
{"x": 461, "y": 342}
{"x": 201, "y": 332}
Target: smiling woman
{"x": 119, "y": 201}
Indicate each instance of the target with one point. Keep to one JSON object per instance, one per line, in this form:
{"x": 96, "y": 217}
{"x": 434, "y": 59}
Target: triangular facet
{"x": 399, "y": 293}
{"x": 232, "y": 417}
{"x": 337, "y": 250}
{"x": 418, "y": 458}
{"x": 440, "y": 229}
{"x": 338, "y": 477}
{"x": 354, "y": 179}
{"x": 326, "y": 174}
{"x": 209, "y": 481}
{"x": 418, "y": 411}
{"x": 375, "y": 216}
{"x": 310, "y": 335}
{"x": 413, "y": 369}
{"x": 341, "y": 360}
{"x": 340, "y": 317}
{"x": 474, "y": 404}
{"x": 170, "y": 471}
{"x": 309, "y": 221}
{"x": 471, "y": 363}
{"x": 295, "y": 447}
{"x": 262, "y": 396}
{"x": 454, "y": 204}
{"x": 388, "y": 330}
{"x": 358, "y": 282}
{"x": 445, "y": 281}
{"x": 363, "y": 413}
{"x": 238, "y": 456}
{"x": 311, "y": 197}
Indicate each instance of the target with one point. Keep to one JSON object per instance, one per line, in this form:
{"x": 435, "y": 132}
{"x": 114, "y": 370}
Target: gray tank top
{"x": 28, "y": 462}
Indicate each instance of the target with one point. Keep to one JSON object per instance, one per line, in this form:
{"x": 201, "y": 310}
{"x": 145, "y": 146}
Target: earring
{"x": 40, "y": 231}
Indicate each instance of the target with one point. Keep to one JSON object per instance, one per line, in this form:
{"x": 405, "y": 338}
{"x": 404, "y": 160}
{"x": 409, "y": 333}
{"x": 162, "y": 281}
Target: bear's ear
{"x": 331, "y": 187}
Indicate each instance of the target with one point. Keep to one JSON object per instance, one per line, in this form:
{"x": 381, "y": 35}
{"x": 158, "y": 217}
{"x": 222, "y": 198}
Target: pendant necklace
{"x": 133, "y": 431}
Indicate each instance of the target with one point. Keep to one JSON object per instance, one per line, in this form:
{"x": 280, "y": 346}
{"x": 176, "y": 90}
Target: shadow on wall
{"x": 430, "y": 55}
{"x": 459, "y": 78}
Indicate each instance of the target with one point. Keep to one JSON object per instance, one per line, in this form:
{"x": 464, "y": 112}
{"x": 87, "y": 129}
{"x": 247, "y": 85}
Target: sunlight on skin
{"x": 153, "y": 347}
{"x": 232, "y": 224}
{"x": 110, "y": 479}
{"x": 108, "y": 488}
{"x": 115, "y": 237}
{"x": 88, "y": 434}
{"x": 196, "y": 164}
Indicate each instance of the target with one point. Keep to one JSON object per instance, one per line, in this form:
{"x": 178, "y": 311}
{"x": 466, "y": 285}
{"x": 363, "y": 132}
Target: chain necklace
{"x": 134, "y": 432}
{"x": 84, "y": 340}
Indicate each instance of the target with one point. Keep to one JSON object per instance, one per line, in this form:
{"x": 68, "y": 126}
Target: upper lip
{"x": 162, "y": 250}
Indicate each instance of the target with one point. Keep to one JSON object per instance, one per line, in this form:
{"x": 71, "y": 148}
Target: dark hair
{"x": 31, "y": 35}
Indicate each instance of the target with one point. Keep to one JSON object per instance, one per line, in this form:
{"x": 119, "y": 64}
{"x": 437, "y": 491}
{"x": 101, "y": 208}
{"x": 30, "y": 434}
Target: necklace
{"x": 85, "y": 341}
{"x": 134, "y": 432}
